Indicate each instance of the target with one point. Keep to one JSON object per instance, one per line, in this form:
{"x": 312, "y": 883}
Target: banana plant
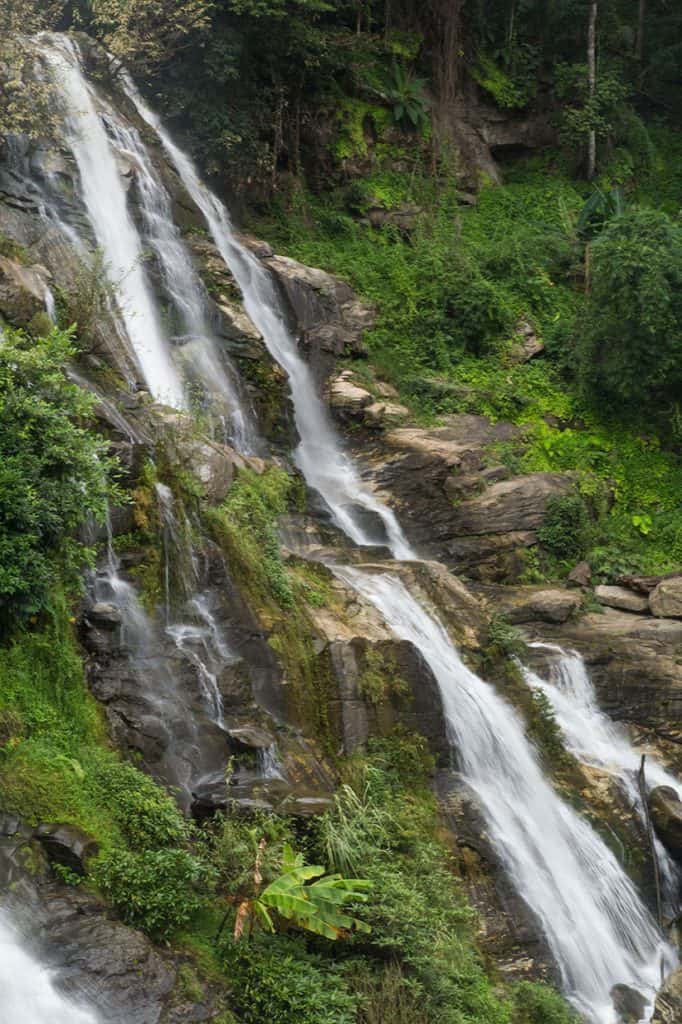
{"x": 305, "y": 895}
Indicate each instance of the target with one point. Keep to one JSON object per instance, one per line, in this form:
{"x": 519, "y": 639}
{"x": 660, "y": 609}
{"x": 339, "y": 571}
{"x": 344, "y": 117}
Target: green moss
{"x": 380, "y": 678}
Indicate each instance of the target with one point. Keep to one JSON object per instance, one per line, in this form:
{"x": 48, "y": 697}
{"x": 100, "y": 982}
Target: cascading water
{"x": 196, "y": 344}
{"x": 326, "y": 468}
{"x": 598, "y": 929}
{"x": 595, "y": 740}
{"x": 27, "y": 991}
{"x": 105, "y": 199}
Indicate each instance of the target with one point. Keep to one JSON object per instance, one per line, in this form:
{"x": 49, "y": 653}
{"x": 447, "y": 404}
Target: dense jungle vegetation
{"x": 334, "y": 127}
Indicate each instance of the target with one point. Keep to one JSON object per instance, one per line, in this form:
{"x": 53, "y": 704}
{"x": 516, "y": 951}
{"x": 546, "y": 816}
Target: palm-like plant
{"x": 406, "y": 95}
{"x": 317, "y": 906}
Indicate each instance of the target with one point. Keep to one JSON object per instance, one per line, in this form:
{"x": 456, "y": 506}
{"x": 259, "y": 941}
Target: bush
{"x": 631, "y": 347}
{"x": 565, "y": 531}
{"x": 538, "y": 1004}
{"x": 146, "y": 815}
{"x": 156, "y": 890}
{"x": 278, "y": 981}
{"x": 53, "y": 472}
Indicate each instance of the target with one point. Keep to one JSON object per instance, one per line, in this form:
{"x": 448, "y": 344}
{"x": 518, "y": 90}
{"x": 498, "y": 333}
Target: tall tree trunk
{"x": 639, "y": 38}
{"x": 592, "y": 85}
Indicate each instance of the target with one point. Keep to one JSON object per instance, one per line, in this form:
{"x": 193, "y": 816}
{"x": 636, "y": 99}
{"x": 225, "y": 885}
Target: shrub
{"x": 53, "y": 472}
{"x": 146, "y": 815}
{"x": 533, "y": 1003}
{"x": 631, "y": 346}
{"x": 565, "y": 531}
{"x": 156, "y": 890}
{"x": 278, "y": 981}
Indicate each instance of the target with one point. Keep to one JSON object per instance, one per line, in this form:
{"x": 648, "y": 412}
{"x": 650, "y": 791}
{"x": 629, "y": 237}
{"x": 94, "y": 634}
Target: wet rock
{"x": 580, "y": 575}
{"x": 621, "y": 597}
{"x": 666, "y": 599}
{"x": 665, "y": 808}
{"x": 669, "y": 1002}
{"x": 22, "y": 291}
{"x": 104, "y": 615}
{"x": 629, "y": 1004}
{"x": 67, "y": 845}
{"x": 325, "y": 311}
{"x": 250, "y": 737}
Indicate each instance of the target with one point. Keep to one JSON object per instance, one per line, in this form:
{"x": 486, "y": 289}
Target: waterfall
{"x": 27, "y": 990}
{"x": 105, "y": 199}
{"x": 600, "y": 932}
{"x": 595, "y": 740}
{"x": 325, "y": 466}
{"x": 598, "y": 929}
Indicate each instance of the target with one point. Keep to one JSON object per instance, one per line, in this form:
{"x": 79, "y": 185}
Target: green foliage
{"x": 565, "y": 530}
{"x": 503, "y": 639}
{"x": 245, "y": 524}
{"x": 380, "y": 678}
{"x": 544, "y": 731}
{"x": 53, "y": 472}
{"x": 631, "y": 346}
{"x": 278, "y": 980}
{"x": 407, "y": 98}
{"x": 304, "y": 895}
{"x": 507, "y": 91}
{"x": 538, "y": 1004}
{"x": 156, "y": 890}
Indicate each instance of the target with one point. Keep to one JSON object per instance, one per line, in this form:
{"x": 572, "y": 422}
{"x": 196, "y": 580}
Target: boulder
{"x": 67, "y": 845}
{"x": 621, "y": 597}
{"x": 668, "y": 1008}
{"x": 527, "y": 345}
{"x": 510, "y": 505}
{"x": 580, "y": 575}
{"x": 346, "y": 397}
{"x": 22, "y": 291}
{"x": 545, "y": 605}
{"x": 665, "y": 808}
{"x": 629, "y": 1004}
{"x": 666, "y": 599}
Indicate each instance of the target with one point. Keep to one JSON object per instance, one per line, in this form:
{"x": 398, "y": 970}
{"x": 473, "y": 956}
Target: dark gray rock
{"x": 67, "y": 845}
{"x": 628, "y": 1003}
{"x": 665, "y": 808}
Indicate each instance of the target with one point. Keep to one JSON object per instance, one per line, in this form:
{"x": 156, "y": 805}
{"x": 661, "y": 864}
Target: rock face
{"x": 22, "y": 291}
{"x": 96, "y": 959}
{"x": 328, "y": 316}
{"x": 666, "y": 599}
{"x": 665, "y": 808}
{"x": 669, "y": 1002}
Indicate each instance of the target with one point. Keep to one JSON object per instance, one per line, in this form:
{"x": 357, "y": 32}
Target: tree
{"x": 147, "y": 33}
{"x": 316, "y": 907}
{"x": 631, "y": 347}
{"x": 53, "y": 472}
{"x": 25, "y": 100}
{"x": 592, "y": 85}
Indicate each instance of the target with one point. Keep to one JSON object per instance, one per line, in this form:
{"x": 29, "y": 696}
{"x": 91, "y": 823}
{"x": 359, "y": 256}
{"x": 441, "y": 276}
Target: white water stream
{"x": 27, "y": 990}
{"x": 599, "y": 930}
{"x": 105, "y": 199}
{"x": 594, "y": 739}
{"x": 326, "y": 467}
